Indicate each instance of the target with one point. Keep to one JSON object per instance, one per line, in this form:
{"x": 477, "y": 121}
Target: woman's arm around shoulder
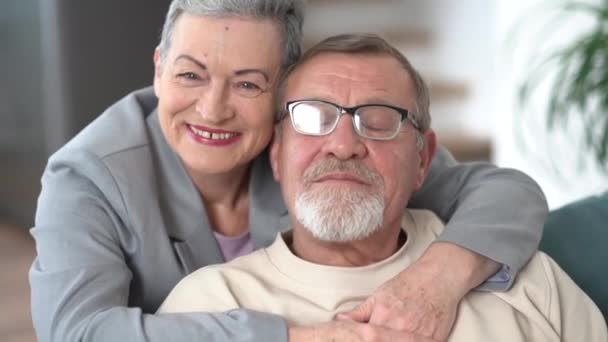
{"x": 81, "y": 279}
{"x": 495, "y": 212}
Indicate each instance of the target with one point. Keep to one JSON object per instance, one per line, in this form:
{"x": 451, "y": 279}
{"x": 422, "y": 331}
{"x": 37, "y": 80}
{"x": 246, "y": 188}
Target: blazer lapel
{"x": 187, "y": 223}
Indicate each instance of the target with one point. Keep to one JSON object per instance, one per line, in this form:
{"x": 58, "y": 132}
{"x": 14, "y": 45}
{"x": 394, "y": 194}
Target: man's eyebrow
{"x": 377, "y": 99}
{"x": 192, "y": 59}
{"x": 252, "y": 71}
{"x": 382, "y": 101}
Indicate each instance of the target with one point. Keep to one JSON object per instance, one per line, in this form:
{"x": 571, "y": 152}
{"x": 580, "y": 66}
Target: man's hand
{"x": 424, "y": 298}
{"x": 350, "y": 331}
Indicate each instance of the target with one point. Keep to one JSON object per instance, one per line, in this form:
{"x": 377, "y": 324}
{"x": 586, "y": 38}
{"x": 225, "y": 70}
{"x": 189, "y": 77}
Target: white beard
{"x": 338, "y": 214}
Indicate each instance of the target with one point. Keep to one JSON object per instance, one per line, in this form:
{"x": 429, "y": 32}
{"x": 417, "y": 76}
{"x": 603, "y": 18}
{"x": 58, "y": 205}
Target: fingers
{"x": 374, "y": 333}
{"x": 362, "y": 313}
{"x": 422, "y": 320}
{"x": 351, "y": 331}
{"x": 391, "y": 315}
{"x": 399, "y": 323}
{"x": 413, "y": 308}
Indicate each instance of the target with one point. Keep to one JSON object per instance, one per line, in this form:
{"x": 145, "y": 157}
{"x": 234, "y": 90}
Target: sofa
{"x": 576, "y": 237}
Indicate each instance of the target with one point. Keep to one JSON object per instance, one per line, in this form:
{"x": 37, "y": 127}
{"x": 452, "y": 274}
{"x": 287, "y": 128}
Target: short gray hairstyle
{"x": 288, "y": 14}
{"x": 366, "y": 43}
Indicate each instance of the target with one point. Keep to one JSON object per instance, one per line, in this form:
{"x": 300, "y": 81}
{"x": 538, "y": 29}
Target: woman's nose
{"x": 212, "y": 105}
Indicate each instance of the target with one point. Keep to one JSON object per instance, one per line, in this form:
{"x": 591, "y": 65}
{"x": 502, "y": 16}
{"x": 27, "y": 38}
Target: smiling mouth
{"x": 212, "y": 135}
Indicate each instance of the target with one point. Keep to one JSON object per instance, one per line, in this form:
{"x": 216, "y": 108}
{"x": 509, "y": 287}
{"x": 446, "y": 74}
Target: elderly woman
{"x": 154, "y": 189}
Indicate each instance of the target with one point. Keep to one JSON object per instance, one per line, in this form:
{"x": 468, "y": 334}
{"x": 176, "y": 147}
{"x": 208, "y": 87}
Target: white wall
{"x": 461, "y": 48}
{"x": 563, "y": 167}
{"x": 472, "y": 42}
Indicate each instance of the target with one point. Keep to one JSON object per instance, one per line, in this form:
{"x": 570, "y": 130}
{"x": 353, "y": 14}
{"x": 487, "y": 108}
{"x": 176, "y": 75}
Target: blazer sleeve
{"x": 496, "y": 212}
{"x": 80, "y": 280}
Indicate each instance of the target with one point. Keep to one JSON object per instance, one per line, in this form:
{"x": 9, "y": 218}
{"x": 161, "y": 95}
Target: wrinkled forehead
{"x": 350, "y": 77}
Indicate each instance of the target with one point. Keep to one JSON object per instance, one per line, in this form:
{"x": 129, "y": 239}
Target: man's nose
{"x": 344, "y": 143}
{"x": 212, "y": 104}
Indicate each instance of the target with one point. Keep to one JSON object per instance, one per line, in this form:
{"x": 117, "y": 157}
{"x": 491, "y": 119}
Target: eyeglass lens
{"x": 320, "y": 118}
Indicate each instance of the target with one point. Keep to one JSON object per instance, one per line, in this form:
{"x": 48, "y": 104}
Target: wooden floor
{"x": 16, "y": 255}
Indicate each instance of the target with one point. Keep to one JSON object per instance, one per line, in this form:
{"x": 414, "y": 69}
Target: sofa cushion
{"x": 576, "y": 237}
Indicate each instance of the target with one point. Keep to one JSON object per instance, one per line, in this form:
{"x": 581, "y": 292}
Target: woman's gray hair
{"x": 288, "y": 14}
{"x": 366, "y": 43}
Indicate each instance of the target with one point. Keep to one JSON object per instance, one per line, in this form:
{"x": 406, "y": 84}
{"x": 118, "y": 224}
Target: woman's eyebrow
{"x": 191, "y": 59}
{"x": 236, "y": 73}
{"x": 252, "y": 71}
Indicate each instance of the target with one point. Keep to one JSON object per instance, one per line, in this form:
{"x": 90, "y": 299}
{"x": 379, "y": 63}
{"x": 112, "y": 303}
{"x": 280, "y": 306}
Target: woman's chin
{"x": 215, "y": 166}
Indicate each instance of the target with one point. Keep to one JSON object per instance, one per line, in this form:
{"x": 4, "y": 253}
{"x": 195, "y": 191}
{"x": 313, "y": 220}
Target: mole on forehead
{"x": 227, "y": 28}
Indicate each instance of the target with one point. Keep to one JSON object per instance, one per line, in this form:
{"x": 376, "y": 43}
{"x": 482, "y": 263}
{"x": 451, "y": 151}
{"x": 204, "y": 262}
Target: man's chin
{"x": 335, "y": 215}
{"x": 340, "y": 237}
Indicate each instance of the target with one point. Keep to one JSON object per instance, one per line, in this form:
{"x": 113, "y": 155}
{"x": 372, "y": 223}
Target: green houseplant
{"x": 577, "y": 73}
{"x": 572, "y": 82}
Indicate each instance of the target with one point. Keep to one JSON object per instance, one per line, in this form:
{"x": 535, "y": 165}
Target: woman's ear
{"x": 157, "y": 71}
{"x": 275, "y": 147}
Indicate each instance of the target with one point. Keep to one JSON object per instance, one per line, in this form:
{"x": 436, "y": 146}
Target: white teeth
{"x": 212, "y": 136}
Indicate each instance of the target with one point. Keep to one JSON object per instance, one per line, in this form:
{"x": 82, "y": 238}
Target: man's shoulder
{"x": 543, "y": 287}
{"x": 244, "y": 266}
{"x": 424, "y": 220}
{"x": 219, "y": 287}
{"x": 538, "y": 277}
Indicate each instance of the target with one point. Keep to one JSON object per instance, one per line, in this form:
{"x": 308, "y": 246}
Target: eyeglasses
{"x": 371, "y": 121}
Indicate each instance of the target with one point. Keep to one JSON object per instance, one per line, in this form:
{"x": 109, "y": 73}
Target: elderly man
{"x": 357, "y": 117}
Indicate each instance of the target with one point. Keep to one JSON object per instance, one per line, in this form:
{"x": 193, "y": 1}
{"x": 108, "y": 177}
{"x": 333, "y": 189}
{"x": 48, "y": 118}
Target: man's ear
{"x": 427, "y": 152}
{"x": 275, "y": 147}
{"x": 157, "y": 71}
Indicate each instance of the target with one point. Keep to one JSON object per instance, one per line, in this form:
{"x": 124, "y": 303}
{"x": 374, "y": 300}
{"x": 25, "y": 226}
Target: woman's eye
{"x": 188, "y": 76}
{"x": 249, "y": 85}
{"x": 247, "y": 89}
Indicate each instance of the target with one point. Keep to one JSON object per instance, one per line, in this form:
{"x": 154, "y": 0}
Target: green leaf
{"x": 579, "y": 88}
{"x": 602, "y": 147}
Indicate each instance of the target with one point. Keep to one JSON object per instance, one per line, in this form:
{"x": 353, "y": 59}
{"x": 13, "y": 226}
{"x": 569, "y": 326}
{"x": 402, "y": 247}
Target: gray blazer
{"x": 119, "y": 223}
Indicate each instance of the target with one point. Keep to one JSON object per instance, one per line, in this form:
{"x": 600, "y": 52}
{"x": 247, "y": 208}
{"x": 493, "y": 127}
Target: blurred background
{"x": 63, "y": 62}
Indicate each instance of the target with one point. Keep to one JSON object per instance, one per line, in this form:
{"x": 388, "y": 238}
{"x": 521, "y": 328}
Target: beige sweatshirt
{"x": 544, "y": 304}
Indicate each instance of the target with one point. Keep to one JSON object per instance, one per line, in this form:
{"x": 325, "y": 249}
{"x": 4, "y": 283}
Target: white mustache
{"x": 356, "y": 168}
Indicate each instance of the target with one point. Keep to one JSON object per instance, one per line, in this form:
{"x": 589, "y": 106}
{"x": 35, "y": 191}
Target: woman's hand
{"x": 424, "y": 298}
{"x": 350, "y": 331}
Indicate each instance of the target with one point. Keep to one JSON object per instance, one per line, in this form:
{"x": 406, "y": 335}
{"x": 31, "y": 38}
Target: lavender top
{"x": 234, "y": 246}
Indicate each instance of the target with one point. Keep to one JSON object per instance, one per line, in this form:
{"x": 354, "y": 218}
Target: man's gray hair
{"x": 288, "y": 14}
{"x": 366, "y": 43}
